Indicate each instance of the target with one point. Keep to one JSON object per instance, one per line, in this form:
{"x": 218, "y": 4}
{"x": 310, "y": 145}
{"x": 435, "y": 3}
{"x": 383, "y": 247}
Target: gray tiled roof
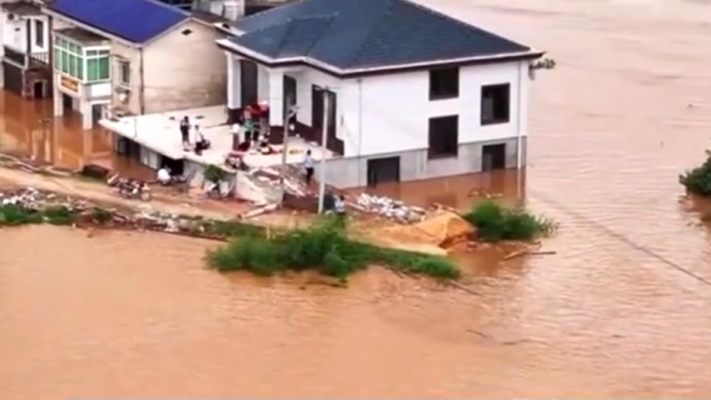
{"x": 353, "y": 34}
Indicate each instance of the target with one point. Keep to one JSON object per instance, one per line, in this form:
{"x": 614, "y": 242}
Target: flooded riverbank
{"x": 620, "y": 311}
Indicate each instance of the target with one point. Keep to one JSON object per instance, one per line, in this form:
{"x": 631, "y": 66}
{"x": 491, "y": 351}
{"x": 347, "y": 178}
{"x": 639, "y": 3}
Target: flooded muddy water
{"x": 620, "y": 311}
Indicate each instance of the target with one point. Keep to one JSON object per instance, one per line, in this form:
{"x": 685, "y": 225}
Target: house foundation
{"x": 352, "y": 172}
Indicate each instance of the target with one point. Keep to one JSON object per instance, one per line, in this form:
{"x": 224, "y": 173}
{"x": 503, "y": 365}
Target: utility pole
{"x": 287, "y": 112}
{"x": 324, "y": 137}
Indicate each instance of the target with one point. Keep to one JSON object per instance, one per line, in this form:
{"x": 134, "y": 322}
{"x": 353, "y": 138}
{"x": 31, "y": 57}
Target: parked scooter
{"x": 130, "y": 188}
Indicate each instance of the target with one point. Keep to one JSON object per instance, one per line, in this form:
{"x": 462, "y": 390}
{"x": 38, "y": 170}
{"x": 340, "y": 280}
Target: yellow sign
{"x": 71, "y": 84}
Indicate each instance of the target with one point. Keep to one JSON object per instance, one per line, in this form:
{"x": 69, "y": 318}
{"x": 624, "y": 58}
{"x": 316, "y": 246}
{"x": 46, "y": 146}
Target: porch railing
{"x": 39, "y": 59}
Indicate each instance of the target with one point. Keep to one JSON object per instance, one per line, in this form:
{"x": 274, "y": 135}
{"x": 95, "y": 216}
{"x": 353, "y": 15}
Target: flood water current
{"x": 622, "y": 309}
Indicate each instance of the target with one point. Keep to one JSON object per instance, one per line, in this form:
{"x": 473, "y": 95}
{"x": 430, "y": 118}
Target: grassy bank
{"x": 698, "y": 180}
{"x": 495, "y": 222}
{"x": 323, "y": 247}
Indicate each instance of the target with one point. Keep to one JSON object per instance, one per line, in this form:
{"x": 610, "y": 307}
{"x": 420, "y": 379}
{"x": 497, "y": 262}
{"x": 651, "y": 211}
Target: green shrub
{"x": 214, "y": 174}
{"x": 495, "y": 222}
{"x": 323, "y": 247}
{"x": 100, "y": 215}
{"x": 233, "y": 228}
{"x": 698, "y": 180}
{"x": 59, "y": 216}
{"x": 12, "y": 215}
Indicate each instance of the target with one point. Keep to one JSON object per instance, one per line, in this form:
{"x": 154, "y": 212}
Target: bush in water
{"x": 323, "y": 247}
{"x": 495, "y": 222}
{"x": 698, "y": 180}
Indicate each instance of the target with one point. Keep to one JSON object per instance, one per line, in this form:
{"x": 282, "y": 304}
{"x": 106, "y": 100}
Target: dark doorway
{"x": 39, "y": 89}
{"x": 97, "y": 111}
{"x": 493, "y": 156}
{"x": 176, "y": 167}
{"x": 289, "y": 92}
{"x": 383, "y": 170}
{"x": 67, "y": 102}
{"x": 12, "y": 76}
{"x": 317, "y": 107}
{"x": 127, "y": 147}
{"x": 248, "y": 82}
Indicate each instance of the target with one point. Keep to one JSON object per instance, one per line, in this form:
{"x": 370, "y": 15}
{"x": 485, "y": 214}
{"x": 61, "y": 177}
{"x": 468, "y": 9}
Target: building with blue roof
{"x": 401, "y": 91}
{"x": 132, "y": 57}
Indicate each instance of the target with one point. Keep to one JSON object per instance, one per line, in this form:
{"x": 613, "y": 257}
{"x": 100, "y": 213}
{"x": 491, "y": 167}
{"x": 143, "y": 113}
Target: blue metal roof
{"x": 351, "y": 34}
{"x": 137, "y": 21}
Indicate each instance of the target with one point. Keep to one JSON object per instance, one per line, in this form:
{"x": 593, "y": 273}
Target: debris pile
{"x": 85, "y": 213}
{"x": 389, "y": 208}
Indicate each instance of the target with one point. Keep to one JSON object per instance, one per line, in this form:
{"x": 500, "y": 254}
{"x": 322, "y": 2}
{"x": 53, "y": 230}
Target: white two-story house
{"x": 133, "y": 57}
{"x": 26, "y": 43}
{"x": 412, "y": 93}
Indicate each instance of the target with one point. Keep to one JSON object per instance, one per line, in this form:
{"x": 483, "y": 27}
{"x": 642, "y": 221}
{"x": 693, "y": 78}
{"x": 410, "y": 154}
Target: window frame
{"x": 437, "y": 128}
{"x": 439, "y": 89}
{"x": 495, "y": 89}
{"x": 40, "y": 40}
{"x": 121, "y": 73}
{"x": 80, "y": 60}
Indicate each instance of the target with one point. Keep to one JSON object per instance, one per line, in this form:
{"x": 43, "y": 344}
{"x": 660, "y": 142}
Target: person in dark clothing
{"x": 201, "y": 143}
{"x": 185, "y": 130}
{"x": 309, "y": 167}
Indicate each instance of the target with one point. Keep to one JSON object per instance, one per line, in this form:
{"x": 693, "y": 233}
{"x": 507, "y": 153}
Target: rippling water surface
{"x": 620, "y": 311}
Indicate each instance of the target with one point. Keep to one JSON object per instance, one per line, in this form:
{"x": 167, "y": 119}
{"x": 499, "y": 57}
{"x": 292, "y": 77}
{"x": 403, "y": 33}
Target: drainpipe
{"x": 519, "y": 139}
{"x": 142, "y": 88}
{"x": 519, "y": 156}
{"x": 360, "y": 127}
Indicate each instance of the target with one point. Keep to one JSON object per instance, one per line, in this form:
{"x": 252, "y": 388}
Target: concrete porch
{"x": 300, "y": 87}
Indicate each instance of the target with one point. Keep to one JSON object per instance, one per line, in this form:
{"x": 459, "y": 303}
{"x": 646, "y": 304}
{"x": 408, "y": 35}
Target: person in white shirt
{"x": 309, "y": 167}
{"x": 164, "y": 176}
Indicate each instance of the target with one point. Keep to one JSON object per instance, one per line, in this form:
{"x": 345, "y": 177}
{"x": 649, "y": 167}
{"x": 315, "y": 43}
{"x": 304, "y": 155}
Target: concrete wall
{"x": 414, "y": 165}
{"x": 120, "y": 51}
{"x": 390, "y": 113}
{"x": 184, "y": 71}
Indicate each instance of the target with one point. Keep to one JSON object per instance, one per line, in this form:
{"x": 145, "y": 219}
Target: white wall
{"x": 184, "y": 71}
{"x": 34, "y": 33}
{"x": 390, "y": 113}
{"x": 14, "y": 33}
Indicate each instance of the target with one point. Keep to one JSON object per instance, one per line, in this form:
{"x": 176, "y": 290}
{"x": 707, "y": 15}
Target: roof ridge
{"x": 373, "y": 29}
{"x": 329, "y": 19}
{"x": 168, "y": 7}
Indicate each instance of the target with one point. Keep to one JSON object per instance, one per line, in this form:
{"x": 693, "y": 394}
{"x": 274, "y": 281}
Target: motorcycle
{"x": 132, "y": 189}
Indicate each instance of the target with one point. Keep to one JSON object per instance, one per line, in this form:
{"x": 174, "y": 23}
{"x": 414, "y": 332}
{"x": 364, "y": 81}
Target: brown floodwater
{"x": 620, "y": 311}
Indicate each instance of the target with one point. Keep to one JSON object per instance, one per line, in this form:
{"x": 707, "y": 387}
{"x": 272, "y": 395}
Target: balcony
{"x": 22, "y": 60}
{"x": 15, "y": 57}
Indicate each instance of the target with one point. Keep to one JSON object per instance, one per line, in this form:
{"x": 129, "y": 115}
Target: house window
{"x": 87, "y": 65}
{"x": 495, "y": 104}
{"x": 444, "y": 83}
{"x": 124, "y": 73}
{"x": 98, "y": 65}
{"x": 39, "y": 33}
{"x": 443, "y": 137}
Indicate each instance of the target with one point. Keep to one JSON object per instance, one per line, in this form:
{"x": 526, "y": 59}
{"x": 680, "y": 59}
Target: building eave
{"x": 98, "y": 31}
{"x": 231, "y": 47}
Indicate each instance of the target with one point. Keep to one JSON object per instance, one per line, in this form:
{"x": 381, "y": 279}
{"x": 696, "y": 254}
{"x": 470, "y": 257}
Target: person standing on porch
{"x": 185, "y": 130}
{"x": 309, "y": 167}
